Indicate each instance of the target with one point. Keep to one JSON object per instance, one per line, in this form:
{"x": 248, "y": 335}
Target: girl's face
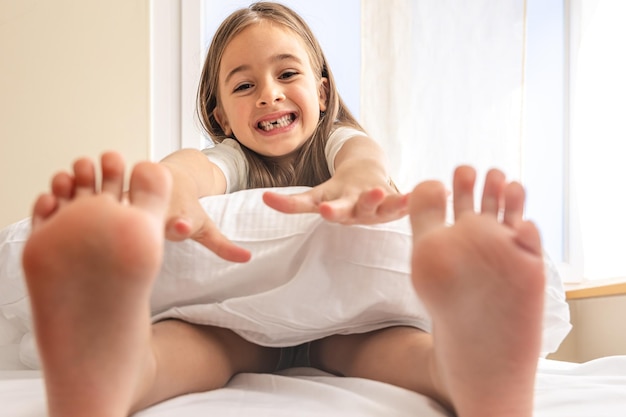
{"x": 269, "y": 96}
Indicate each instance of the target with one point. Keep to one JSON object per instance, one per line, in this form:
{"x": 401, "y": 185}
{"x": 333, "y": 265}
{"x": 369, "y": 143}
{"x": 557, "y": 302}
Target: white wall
{"x": 74, "y": 80}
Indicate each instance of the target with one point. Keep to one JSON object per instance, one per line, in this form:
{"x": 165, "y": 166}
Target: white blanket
{"x": 308, "y": 278}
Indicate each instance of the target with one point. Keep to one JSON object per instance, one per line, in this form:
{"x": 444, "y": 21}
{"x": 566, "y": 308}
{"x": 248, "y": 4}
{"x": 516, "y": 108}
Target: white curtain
{"x": 598, "y": 137}
{"x": 442, "y": 85}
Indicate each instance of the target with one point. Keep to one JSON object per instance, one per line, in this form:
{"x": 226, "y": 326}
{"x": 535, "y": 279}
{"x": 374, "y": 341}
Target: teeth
{"x": 274, "y": 124}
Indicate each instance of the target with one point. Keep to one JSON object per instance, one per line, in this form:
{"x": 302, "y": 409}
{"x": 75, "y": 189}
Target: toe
{"x": 150, "y": 188}
{"x": 514, "y": 197}
{"x": 45, "y": 205}
{"x": 427, "y": 206}
{"x": 63, "y": 186}
{"x": 113, "y": 174}
{"x": 84, "y": 177}
{"x": 492, "y": 192}
{"x": 463, "y": 190}
{"x": 529, "y": 238}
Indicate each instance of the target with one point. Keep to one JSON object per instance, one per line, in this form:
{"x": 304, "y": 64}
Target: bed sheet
{"x": 596, "y": 388}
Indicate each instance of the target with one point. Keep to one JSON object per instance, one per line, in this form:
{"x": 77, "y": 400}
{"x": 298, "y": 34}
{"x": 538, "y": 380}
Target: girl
{"x": 268, "y": 99}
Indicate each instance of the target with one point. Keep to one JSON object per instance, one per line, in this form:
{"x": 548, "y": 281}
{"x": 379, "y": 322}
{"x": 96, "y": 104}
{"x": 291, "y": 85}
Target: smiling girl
{"x": 268, "y": 100}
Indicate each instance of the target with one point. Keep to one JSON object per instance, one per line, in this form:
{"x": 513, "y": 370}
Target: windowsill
{"x": 595, "y": 288}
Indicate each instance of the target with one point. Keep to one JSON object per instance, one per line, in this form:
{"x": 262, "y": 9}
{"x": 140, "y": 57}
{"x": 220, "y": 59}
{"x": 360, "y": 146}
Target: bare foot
{"x": 482, "y": 280}
{"x": 89, "y": 265}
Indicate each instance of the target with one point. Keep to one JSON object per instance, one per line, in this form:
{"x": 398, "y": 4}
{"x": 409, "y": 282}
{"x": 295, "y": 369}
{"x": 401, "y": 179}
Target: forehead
{"x": 260, "y": 42}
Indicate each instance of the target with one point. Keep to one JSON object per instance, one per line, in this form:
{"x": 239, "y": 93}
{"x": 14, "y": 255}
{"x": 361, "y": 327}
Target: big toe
{"x": 427, "y": 206}
{"x": 150, "y": 188}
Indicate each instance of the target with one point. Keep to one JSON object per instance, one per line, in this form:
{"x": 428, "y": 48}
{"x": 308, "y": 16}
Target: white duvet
{"x": 308, "y": 278}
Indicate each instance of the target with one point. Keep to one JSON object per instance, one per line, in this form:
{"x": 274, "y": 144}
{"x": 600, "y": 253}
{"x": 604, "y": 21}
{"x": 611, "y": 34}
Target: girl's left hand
{"x": 377, "y": 205}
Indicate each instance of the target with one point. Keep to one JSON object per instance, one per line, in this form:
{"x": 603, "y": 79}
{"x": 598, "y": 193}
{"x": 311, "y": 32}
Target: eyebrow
{"x": 276, "y": 58}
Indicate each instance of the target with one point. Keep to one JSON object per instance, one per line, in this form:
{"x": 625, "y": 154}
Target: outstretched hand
{"x": 376, "y": 205}
{"x": 193, "y": 223}
{"x": 193, "y": 175}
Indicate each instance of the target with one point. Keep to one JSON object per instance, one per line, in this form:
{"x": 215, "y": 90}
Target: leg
{"x": 192, "y": 358}
{"x": 88, "y": 253}
{"x": 482, "y": 281}
{"x": 384, "y": 355}
{"x": 89, "y": 264}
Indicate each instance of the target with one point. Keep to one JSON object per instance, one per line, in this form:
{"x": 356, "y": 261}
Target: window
{"x": 563, "y": 100}
{"x": 597, "y": 137}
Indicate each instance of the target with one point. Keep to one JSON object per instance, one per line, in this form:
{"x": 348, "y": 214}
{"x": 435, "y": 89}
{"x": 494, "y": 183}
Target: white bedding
{"x": 251, "y": 301}
{"x": 353, "y": 279}
{"x": 594, "y": 389}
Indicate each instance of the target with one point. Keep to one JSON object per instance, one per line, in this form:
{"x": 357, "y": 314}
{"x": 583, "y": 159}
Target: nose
{"x": 270, "y": 92}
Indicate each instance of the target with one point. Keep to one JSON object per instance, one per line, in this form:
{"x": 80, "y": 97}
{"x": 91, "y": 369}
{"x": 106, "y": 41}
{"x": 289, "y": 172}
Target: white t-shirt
{"x": 229, "y": 157}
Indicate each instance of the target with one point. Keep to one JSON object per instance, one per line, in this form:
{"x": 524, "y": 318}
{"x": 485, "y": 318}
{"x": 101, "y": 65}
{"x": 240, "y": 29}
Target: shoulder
{"x": 336, "y": 140}
{"x": 343, "y": 133}
{"x": 227, "y": 149}
{"x": 230, "y": 159}
{"x": 224, "y": 145}
{"x": 338, "y": 137}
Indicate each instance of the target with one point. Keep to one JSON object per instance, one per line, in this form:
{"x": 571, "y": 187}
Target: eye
{"x": 285, "y": 75}
{"x": 243, "y": 87}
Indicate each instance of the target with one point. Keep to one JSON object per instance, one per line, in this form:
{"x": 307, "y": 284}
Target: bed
{"x": 596, "y": 388}
{"x": 593, "y": 389}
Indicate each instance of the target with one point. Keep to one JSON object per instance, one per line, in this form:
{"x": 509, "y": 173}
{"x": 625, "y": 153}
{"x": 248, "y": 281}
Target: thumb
{"x": 178, "y": 229}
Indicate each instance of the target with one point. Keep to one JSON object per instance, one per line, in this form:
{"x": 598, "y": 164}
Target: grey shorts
{"x": 294, "y": 357}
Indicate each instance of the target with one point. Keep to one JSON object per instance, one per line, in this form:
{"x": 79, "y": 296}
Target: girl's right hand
{"x": 188, "y": 220}
{"x": 190, "y": 171}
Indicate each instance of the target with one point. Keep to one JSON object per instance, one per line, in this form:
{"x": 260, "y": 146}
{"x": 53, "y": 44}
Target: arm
{"x": 195, "y": 176}
{"x": 358, "y": 192}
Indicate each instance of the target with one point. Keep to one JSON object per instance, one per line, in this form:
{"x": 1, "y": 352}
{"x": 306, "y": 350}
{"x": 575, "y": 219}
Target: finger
{"x": 210, "y": 237}
{"x": 338, "y": 211}
{"x": 492, "y": 192}
{"x": 178, "y": 229}
{"x": 368, "y": 203}
{"x": 394, "y": 207}
{"x": 307, "y": 202}
{"x": 463, "y": 190}
{"x": 371, "y": 208}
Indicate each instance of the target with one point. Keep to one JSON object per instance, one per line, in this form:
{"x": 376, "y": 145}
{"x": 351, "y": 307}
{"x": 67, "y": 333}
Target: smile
{"x": 269, "y": 125}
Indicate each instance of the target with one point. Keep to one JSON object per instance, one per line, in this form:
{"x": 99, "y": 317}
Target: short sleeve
{"x": 229, "y": 157}
{"x": 336, "y": 141}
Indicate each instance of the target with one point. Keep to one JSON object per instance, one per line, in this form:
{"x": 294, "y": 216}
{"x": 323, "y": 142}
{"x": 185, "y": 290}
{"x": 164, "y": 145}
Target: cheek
{"x": 311, "y": 101}
{"x": 237, "y": 113}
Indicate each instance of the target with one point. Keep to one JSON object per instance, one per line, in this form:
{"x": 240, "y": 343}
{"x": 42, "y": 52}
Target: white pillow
{"x": 307, "y": 279}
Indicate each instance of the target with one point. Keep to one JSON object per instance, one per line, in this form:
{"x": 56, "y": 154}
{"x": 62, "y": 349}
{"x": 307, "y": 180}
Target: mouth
{"x": 283, "y": 121}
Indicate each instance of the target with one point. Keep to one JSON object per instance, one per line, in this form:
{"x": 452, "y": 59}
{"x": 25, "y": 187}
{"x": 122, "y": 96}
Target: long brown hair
{"x": 308, "y": 166}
